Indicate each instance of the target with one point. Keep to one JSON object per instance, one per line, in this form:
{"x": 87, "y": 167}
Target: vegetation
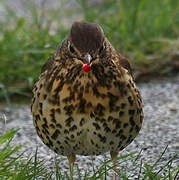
{"x": 144, "y": 31}
{"x": 16, "y": 167}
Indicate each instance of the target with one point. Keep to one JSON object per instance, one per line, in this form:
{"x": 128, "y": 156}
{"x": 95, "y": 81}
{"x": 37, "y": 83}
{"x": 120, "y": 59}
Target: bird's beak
{"x": 88, "y": 58}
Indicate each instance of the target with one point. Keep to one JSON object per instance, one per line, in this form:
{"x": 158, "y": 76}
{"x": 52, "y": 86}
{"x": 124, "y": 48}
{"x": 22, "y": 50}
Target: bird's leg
{"x": 71, "y": 160}
{"x": 113, "y": 156}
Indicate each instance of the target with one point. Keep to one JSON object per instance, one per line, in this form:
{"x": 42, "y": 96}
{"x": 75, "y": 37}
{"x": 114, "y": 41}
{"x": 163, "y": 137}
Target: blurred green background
{"x": 146, "y": 32}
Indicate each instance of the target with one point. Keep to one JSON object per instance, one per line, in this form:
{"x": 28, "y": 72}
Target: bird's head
{"x": 85, "y": 44}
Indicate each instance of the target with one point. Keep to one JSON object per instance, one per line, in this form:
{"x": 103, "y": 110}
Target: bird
{"x": 85, "y": 101}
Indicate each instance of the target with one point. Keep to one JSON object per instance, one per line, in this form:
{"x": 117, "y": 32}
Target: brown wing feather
{"x": 125, "y": 64}
{"x": 48, "y": 64}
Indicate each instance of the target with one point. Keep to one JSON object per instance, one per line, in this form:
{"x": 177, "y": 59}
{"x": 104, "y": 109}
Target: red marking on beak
{"x": 86, "y": 67}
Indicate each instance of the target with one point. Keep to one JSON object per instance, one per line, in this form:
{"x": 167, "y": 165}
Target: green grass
{"x": 17, "y": 167}
{"x": 14, "y": 166}
{"x": 146, "y": 32}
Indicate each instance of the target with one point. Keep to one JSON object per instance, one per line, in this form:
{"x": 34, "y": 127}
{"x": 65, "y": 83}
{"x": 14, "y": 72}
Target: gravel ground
{"x": 160, "y": 128}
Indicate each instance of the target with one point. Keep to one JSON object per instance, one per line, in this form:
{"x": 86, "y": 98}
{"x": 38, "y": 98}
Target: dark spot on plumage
{"x": 87, "y": 37}
{"x": 37, "y": 128}
{"x": 119, "y": 145}
{"x": 35, "y": 88}
{"x": 89, "y": 105}
{"x": 45, "y": 120}
{"x": 59, "y": 126}
{"x": 111, "y": 142}
{"x": 130, "y": 100}
{"x": 94, "y": 132}
{"x": 73, "y": 128}
{"x": 112, "y": 74}
{"x": 67, "y": 138}
{"x": 128, "y": 85}
{"x": 95, "y": 91}
{"x": 102, "y": 138}
{"x": 92, "y": 142}
{"x": 131, "y": 111}
{"x": 78, "y": 133}
{"x": 131, "y": 129}
{"x": 47, "y": 137}
{"x": 61, "y": 147}
{"x": 114, "y": 131}
{"x": 115, "y": 121}
{"x": 40, "y": 111}
{"x": 123, "y": 105}
{"x": 96, "y": 125}
{"x": 52, "y": 77}
{"x": 33, "y": 100}
{"x": 112, "y": 100}
{"x": 82, "y": 121}
{"x": 110, "y": 118}
{"x": 47, "y": 144}
{"x": 50, "y": 143}
{"x": 56, "y": 150}
{"x": 72, "y": 136}
{"x": 55, "y": 134}
{"x": 119, "y": 133}
{"x": 118, "y": 84}
{"x": 117, "y": 108}
{"x": 52, "y": 111}
{"x": 41, "y": 85}
{"x": 105, "y": 124}
{"x": 92, "y": 115}
{"x": 122, "y": 137}
{"x": 38, "y": 94}
{"x": 129, "y": 140}
{"x": 52, "y": 126}
{"x": 107, "y": 129}
{"x": 45, "y": 126}
{"x": 139, "y": 110}
{"x": 137, "y": 128}
{"x": 131, "y": 120}
{"x": 102, "y": 120}
{"x": 139, "y": 102}
{"x": 53, "y": 120}
{"x": 40, "y": 135}
{"x": 97, "y": 119}
{"x": 66, "y": 142}
{"x": 73, "y": 73}
{"x": 99, "y": 109}
{"x": 66, "y": 131}
{"x": 118, "y": 125}
{"x": 125, "y": 125}
{"x": 77, "y": 84}
{"x": 58, "y": 142}
{"x": 87, "y": 86}
{"x": 54, "y": 100}
{"x": 81, "y": 105}
{"x": 69, "y": 109}
{"x": 68, "y": 121}
{"x": 58, "y": 110}
{"x": 60, "y": 86}
{"x": 40, "y": 104}
{"x": 75, "y": 147}
{"x": 121, "y": 113}
{"x": 37, "y": 117}
{"x": 141, "y": 119}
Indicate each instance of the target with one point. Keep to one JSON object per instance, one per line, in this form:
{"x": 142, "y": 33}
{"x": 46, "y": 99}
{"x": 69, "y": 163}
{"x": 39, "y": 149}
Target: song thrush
{"x": 85, "y": 101}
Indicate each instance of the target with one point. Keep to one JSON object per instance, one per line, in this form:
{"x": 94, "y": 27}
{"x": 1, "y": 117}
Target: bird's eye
{"x": 71, "y": 49}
